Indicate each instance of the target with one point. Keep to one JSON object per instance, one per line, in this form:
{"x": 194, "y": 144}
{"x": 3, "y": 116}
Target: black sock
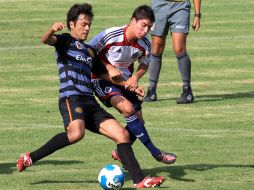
{"x": 184, "y": 67}
{"x": 57, "y": 142}
{"x": 154, "y": 71}
{"x": 130, "y": 162}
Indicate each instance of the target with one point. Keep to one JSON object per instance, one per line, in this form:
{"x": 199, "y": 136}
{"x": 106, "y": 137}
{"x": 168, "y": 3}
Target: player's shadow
{"x": 219, "y": 97}
{"x": 178, "y": 172}
{"x": 216, "y": 97}
{"x": 9, "y": 168}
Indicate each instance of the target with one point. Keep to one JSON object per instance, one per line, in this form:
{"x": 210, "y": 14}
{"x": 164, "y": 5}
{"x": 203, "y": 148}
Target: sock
{"x": 154, "y": 71}
{"x": 129, "y": 161}
{"x": 57, "y": 142}
{"x": 133, "y": 138}
{"x": 136, "y": 127}
{"x": 184, "y": 67}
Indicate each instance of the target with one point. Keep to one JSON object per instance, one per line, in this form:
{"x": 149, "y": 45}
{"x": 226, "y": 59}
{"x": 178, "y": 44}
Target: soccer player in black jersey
{"x": 79, "y": 109}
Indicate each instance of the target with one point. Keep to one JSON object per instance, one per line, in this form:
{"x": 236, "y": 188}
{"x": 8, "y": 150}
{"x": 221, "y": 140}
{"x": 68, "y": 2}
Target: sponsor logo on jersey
{"x": 87, "y": 60}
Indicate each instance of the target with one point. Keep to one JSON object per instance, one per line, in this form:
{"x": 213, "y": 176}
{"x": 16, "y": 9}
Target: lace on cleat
{"x": 24, "y": 161}
{"x": 166, "y": 158}
{"x": 150, "y": 182}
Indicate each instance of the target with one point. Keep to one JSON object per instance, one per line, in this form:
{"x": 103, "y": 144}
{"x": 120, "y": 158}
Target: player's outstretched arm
{"x": 47, "y": 37}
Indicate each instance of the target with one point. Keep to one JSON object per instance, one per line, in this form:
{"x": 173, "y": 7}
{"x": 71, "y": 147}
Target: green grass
{"x": 213, "y": 137}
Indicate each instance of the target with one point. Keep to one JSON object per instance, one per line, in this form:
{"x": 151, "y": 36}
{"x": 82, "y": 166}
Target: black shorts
{"x": 85, "y": 108}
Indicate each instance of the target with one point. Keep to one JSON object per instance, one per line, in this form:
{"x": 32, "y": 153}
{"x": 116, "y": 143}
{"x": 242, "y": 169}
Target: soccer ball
{"x": 111, "y": 177}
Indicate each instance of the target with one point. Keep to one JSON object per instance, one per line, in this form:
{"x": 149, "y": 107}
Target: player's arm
{"x": 48, "y": 37}
{"x": 197, "y": 15}
{"x": 132, "y": 82}
{"x": 120, "y": 81}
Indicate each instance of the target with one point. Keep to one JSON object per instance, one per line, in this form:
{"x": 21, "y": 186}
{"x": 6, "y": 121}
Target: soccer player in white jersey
{"x": 119, "y": 48}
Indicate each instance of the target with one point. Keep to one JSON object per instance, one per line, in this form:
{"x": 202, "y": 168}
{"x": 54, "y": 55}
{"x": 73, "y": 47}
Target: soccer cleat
{"x": 186, "y": 96}
{"x": 24, "y": 161}
{"x": 150, "y": 182}
{"x": 151, "y": 96}
{"x": 166, "y": 158}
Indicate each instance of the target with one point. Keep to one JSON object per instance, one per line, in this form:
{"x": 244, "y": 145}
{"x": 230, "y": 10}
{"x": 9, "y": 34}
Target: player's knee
{"x": 180, "y": 51}
{"x": 128, "y": 110}
{"x": 123, "y": 136}
{"x": 76, "y": 135}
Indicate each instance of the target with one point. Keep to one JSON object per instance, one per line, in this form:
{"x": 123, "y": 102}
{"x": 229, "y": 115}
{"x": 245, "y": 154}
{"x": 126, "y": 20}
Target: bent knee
{"x": 123, "y": 136}
{"x": 128, "y": 110}
{"x": 75, "y": 136}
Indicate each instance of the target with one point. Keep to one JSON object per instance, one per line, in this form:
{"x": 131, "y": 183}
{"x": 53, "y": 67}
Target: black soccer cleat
{"x": 186, "y": 96}
{"x": 151, "y": 96}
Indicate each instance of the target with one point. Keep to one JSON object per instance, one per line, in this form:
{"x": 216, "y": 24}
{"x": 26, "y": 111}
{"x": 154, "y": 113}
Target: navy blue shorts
{"x": 85, "y": 108}
{"x": 105, "y": 91}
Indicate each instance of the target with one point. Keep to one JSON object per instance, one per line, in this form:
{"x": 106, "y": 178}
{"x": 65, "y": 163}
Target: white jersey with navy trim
{"x": 114, "y": 48}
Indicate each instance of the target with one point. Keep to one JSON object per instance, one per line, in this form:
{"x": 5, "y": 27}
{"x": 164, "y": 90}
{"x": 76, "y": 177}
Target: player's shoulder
{"x": 145, "y": 42}
{"x": 112, "y": 34}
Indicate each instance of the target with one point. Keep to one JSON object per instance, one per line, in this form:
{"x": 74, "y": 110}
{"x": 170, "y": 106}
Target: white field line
{"x": 23, "y": 47}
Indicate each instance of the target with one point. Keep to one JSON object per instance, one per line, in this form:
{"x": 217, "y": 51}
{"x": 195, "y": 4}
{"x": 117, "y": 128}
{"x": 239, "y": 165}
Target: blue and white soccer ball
{"x": 111, "y": 177}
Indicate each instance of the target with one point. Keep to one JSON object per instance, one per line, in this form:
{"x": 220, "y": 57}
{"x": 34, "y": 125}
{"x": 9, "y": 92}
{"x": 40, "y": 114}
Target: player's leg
{"x": 158, "y": 45}
{"x": 180, "y": 30}
{"x": 134, "y": 124}
{"x": 159, "y": 32}
{"x": 75, "y": 131}
{"x": 112, "y": 129}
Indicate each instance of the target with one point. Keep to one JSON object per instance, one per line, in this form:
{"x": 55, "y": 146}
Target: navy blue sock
{"x": 136, "y": 127}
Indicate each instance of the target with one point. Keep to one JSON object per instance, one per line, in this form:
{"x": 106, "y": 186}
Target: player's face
{"x": 142, "y": 27}
{"x": 81, "y": 28}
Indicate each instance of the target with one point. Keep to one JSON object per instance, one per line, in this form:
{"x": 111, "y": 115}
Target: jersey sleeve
{"x": 146, "y": 57}
{"x": 62, "y": 40}
{"x": 96, "y": 42}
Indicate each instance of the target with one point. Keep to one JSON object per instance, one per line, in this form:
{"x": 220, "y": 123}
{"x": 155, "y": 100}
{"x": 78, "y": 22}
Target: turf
{"x": 213, "y": 137}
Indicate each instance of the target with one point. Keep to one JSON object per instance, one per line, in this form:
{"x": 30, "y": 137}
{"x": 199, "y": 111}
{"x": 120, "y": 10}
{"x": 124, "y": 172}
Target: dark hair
{"x": 78, "y": 9}
{"x": 143, "y": 12}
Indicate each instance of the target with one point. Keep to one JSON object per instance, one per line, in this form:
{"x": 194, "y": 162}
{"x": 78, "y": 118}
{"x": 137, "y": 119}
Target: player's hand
{"x": 114, "y": 73}
{"x": 196, "y": 24}
{"x": 58, "y": 26}
{"x": 140, "y": 91}
{"x": 132, "y": 83}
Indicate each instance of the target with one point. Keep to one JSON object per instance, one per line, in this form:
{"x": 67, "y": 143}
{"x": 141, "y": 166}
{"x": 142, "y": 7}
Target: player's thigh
{"x": 113, "y": 130}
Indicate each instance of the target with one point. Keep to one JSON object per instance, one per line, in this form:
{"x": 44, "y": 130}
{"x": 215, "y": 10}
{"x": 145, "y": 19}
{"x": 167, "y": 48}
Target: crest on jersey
{"x": 90, "y": 51}
{"x": 108, "y": 89}
{"x": 78, "y": 110}
{"x": 78, "y": 45}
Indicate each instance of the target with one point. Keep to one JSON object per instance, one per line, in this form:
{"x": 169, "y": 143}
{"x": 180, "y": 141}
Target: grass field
{"x": 213, "y": 138}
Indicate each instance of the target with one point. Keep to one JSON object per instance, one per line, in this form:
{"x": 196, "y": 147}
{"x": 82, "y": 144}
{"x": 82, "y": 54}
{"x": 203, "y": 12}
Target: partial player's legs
{"x": 158, "y": 45}
{"x": 184, "y": 67}
{"x": 112, "y": 129}
{"x": 136, "y": 128}
{"x": 76, "y": 131}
